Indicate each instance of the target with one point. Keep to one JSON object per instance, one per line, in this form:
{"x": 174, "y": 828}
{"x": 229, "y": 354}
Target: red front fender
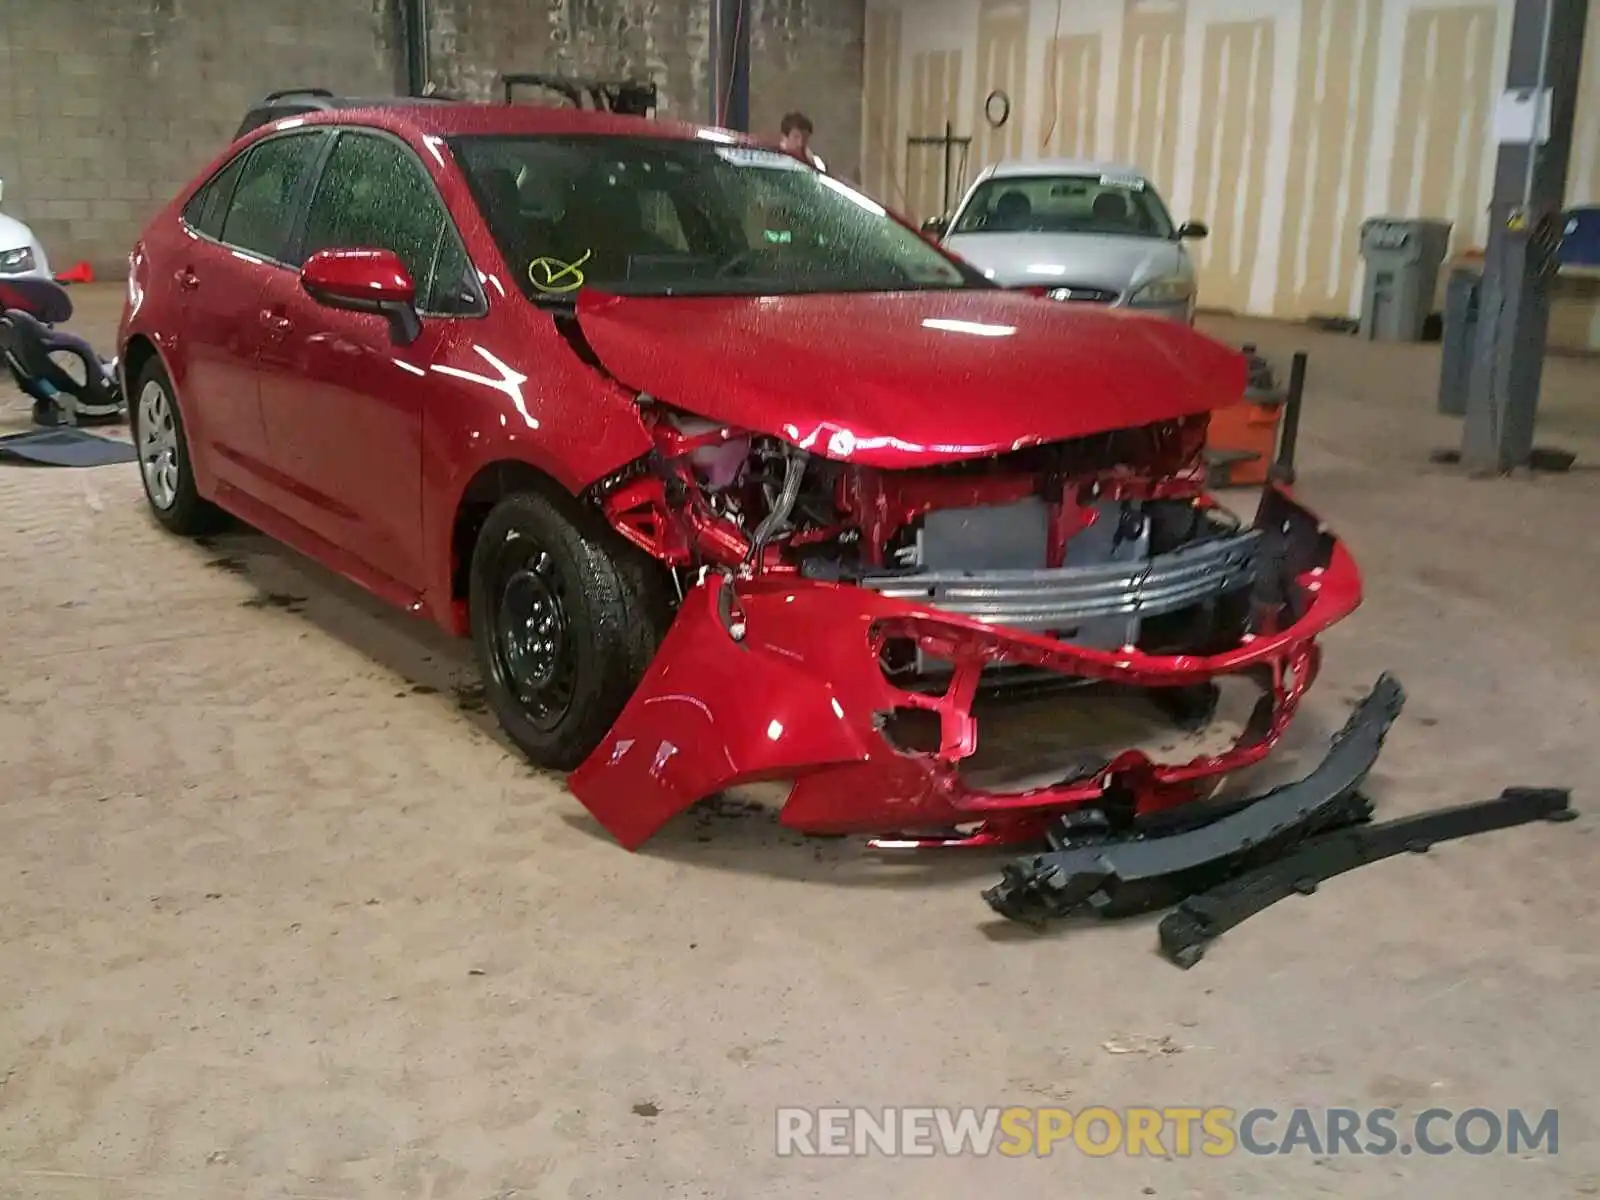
{"x": 709, "y": 712}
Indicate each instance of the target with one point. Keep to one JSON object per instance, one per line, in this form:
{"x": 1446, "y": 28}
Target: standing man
{"x": 797, "y": 130}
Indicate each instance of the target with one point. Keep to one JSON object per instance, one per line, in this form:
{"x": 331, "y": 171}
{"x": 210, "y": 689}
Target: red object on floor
{"x": 77, "y": 273}
{"x": 1250, "y": 431}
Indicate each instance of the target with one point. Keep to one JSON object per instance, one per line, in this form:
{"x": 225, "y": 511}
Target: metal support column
{"x": 1530, "y": 184}
{"x": 413, "y": 19}
{"x": 730, "y": 64}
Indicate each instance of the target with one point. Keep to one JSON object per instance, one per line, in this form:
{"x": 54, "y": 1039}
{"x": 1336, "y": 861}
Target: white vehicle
{"x": 1082, "y": 231}
{"x": 21, "y": 255}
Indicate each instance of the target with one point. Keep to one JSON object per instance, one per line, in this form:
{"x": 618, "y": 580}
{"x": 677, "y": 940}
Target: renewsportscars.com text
{"x": 1181, "y": 1132}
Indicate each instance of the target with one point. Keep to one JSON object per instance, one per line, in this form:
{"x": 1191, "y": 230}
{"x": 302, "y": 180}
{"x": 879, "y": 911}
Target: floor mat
{"x": 66, "y": 447}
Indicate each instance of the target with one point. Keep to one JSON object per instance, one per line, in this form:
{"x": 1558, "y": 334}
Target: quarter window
{"x": 262, "y": 210}
{"x": 208, "y": 206}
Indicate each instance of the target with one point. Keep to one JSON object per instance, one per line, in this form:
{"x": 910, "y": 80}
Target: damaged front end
{"x": 843, "y": 626}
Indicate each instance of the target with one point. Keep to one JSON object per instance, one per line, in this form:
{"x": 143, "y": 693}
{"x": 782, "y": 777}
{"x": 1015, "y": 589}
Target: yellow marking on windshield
{"x": 552, "y": 275}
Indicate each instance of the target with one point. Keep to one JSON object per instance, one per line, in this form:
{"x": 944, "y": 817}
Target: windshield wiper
{"x": 566, "y": 302}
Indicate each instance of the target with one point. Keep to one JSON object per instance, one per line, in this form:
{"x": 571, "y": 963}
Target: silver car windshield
{"x": 1096, "y": 204}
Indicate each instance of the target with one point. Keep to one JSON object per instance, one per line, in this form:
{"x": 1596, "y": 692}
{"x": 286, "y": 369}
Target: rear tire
{"x": 565, "y": 619}
{"x": 164, "y": 464}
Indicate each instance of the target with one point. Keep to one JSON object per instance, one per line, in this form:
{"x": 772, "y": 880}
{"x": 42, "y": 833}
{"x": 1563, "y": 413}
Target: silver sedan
{"x": 1077, "y": 231}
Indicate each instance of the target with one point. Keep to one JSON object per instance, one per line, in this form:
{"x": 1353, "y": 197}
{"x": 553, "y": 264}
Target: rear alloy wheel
{"x": 565, "y": 618}
{"x": 158, "y": 446}
{"x": 163, "y": 450}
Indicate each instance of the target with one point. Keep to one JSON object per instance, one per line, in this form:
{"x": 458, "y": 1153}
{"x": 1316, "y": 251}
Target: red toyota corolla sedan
{"x": 729, "y": 474}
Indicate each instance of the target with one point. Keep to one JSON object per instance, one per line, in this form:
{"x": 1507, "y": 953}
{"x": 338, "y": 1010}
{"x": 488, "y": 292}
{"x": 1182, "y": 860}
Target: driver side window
{"x": 375, "y": 194}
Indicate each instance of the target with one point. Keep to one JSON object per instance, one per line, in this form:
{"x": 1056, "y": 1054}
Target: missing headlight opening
{"x": 990, "y": 642}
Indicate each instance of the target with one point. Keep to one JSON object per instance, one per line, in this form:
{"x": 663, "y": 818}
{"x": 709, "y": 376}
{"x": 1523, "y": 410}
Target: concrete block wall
{"x": 472, "y": 41}
{"x": 807, "y": 55}
{"x": 804, "y": 54}
{"x": 107, "y": 107}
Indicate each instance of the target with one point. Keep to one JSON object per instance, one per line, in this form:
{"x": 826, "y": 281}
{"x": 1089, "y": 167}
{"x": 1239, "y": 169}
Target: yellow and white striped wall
{"x": 1281, "y": 123}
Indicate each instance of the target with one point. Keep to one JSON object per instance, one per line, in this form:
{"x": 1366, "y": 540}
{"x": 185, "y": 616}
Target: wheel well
{"x": 488, "y": 487}
{"x": 136, "y": 355}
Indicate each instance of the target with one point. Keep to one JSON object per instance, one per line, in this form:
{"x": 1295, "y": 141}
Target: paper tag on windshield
{"x": 771, "y": 160}
{"x": 1132, "y": 182}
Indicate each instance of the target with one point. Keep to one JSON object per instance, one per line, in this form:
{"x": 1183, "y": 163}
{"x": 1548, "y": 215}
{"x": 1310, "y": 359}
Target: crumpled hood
{"x": 908, "y": 379}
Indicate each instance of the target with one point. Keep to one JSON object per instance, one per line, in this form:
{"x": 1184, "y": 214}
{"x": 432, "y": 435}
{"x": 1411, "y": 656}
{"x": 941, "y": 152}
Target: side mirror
{"x": 936, "y": 227}
{"x": 368, "y": 281}
{"x": 1193, "y": 230}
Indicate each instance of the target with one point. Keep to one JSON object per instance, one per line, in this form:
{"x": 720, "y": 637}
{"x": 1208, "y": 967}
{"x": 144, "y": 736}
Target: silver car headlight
{"x": 16, "y": 262}
{"x": 1174, "y": 289}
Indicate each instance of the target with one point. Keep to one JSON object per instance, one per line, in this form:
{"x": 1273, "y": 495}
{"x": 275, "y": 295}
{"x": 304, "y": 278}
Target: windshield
{"x": 658, "y": 217}
{"x": 1091, "y": 203}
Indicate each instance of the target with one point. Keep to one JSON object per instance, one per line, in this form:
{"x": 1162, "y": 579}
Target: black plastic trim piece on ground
{"x": 1197, "y": 921}
{"x": 1054, "y": 884}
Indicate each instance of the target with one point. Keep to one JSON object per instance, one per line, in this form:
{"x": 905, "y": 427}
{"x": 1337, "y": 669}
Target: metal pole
{"x": 738, "y": 114}
{"x": 730, "y": 64}
{"x": 414, "y": 44}
{"x": 1282, "y": 470}
{"x": 949, "y": 148}
{"x": 1524, "y": 230}
{"x": 1538, "y": 103}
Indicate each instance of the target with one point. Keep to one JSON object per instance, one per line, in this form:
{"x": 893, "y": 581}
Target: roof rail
{"x": 306, "y": 91}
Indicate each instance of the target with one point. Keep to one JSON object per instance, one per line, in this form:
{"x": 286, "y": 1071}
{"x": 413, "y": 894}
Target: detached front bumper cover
{"x": 1097, "y": 875}
{"x": 780, "y": 678}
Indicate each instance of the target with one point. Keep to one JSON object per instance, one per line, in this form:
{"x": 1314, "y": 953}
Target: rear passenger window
{"x": 262, "y": 209}
{"x": 209, "y": 205}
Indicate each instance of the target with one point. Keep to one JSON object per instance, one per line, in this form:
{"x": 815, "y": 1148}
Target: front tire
{"x": 565, "y": 619}
{"x": 164, "y": 463}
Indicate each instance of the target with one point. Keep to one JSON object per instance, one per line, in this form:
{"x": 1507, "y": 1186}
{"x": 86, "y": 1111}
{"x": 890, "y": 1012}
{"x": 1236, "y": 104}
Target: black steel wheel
{"x": 534, "y": 657}
{"x": 565, "y": 618}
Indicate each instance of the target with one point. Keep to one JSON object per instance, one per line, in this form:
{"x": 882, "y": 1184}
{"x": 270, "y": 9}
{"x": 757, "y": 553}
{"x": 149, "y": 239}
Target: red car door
{"x": 341, "y": 401}
{"x": 235, "y": 232}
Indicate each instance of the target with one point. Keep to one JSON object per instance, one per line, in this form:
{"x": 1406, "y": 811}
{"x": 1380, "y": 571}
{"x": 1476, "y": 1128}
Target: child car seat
{"x": 30, "y": 344}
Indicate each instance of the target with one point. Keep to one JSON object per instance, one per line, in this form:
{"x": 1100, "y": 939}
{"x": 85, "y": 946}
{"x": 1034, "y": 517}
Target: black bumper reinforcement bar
{"x": 1186, "y": 931}
{"x": 1102, "y": 873}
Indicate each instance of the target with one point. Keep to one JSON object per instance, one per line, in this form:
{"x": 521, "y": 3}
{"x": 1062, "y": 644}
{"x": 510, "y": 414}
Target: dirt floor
{"x": 280, "y": 916}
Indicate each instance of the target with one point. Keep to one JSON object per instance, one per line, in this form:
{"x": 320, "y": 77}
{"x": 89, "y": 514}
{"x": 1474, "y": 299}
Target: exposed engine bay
{"x": 1103, "y": 542}
{"x": 871, "y": 610}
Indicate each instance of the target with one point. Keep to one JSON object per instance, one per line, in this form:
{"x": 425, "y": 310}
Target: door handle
{"x": 187, "y": 279}
{"x": 276, "y": 322}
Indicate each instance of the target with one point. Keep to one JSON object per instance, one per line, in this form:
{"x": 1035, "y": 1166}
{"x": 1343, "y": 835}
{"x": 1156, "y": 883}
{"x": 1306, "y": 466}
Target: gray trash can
{"x": 1461, "y": 294}
{"x": 1403, "y": 258}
